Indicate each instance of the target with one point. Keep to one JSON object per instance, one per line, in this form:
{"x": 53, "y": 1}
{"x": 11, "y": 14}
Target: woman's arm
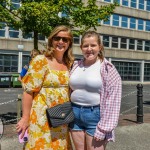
{"x": 23, "y": 124}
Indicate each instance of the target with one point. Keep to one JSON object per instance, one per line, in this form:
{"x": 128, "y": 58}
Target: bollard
{"x": 139, "y": 103}
{"x": 19, "y": 107}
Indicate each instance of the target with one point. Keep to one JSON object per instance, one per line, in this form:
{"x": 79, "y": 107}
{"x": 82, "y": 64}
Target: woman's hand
{"x": 97, "y": 139}
{"x": 22, "y": 125}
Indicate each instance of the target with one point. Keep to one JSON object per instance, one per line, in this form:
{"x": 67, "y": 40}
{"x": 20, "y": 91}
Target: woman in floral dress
{"x": 46, "y": 85}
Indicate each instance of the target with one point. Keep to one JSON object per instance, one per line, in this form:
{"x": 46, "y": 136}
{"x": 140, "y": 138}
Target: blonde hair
{"x": 68, "y": 56}
{"x": 34, "y": 53}
{"x": 94, "y": 34}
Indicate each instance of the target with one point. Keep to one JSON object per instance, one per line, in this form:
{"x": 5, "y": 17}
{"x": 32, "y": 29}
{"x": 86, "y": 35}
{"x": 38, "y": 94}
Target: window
{"x": 125, "y": 2}
{"x": 107, "y": 22}
{"x": 140, "y": 24}
{"x": 147, "y": 25}
{"x": 131, "y": 44}
{"x": 147, "y": 72}
{"x": 13, "y": 33}
{"x": 76, "y": 39}
{"x": 139, "y": 45}
{"x": 129, "y": 71}
{"x": 106, "y": 41}
{"x": 8, "y": 63}
{"x": 148, "y": 5}
{"x": 132, "y": 23}
{"x": 141, "y": 4}
{"x": 115, "y": 42}
{"x": 123, "y": 43}
{"x": 2, "y": 29}
{"x": 118, "y": 1}
{"x": 133, "y": 3}
{"x": 41, "y": 37}
{"x": 28, "y": 36}
{"x": 124, "y": 22}
{"x": 107, "y": 0}
{"x": 15, "y": 4}
{"x": 147, "y": 45}
{"x": 115, "y": 20}
{"x": 25, "y": 60}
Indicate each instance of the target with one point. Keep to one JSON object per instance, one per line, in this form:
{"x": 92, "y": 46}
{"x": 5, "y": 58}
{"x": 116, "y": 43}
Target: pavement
{"x": 130, "y": 135}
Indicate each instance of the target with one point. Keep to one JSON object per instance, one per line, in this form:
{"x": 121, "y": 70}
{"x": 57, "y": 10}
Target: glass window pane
{"x": 146, "y": 72}
{"x": 139, "y": 45}
{"x": 13, "y": 34}
{"x": 107, "y": 22}
{"x": 1, "y": 62}
{"x": 107, "y": 0}
{"x": 115, "y": 42}
{"x": 6, "y": 69}
{"x": 125, "y": 2}
{"x": 25, "y": 60}
{"x": 131, "y": 44}
{"x": 132, "y": 23}
{"x": 14, "y": 6}
{"x": 147, "y": 46}
{"x": 133, "y": 3}
{"x": 14, "y": 69}
{"x": 123, "y": 43}
{"x": 148, "y": 5}
{"x": 14, "y": 63}
{"x": 129, "y": 71}
{"x": 41, "y": 37}
{"x": 124, "y": 22}
{"x": 106, "y": 41}
{"x": 7, "y": 57}
{"x": 147, "y": 25}
{"x": 76, "y": 39}
{"x": 140, "y": 24}
{"x": 1, "y": 69}
{"x": 141, "y": 4}
{"x": 115, "y": 20}
{"x": 2, "y": 33}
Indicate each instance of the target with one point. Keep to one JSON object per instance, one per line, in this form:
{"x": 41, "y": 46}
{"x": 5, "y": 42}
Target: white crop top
{"x": 86, "y": 84}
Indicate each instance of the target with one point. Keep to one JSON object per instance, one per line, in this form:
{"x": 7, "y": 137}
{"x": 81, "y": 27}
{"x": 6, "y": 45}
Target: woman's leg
{"x": 93, "y": 144}
{"x": 78, "y": 138}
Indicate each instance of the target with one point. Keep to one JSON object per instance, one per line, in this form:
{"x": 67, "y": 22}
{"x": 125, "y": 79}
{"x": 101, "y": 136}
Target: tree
{"x": 41, "y": 16}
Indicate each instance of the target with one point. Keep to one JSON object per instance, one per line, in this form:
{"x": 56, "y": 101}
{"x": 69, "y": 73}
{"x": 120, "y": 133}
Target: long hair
{"x": 34, "y": 52}
{"x": 94, "y": 34}
{"x": 68, "y": 56}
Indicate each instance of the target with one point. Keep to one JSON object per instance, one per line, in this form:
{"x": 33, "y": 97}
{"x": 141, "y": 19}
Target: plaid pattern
{"x": 110, "y": 100}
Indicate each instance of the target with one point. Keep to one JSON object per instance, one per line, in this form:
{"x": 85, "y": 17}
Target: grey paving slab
{"x": 135, "y": 137}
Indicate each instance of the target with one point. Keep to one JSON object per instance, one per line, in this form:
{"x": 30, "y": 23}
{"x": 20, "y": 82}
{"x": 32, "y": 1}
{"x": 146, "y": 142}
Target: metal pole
{"x": 139, "y": 103}
{"x": 19, "y": 107}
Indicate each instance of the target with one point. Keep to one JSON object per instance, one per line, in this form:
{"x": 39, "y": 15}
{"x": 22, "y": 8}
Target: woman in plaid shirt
{"x": 96, "y": 96}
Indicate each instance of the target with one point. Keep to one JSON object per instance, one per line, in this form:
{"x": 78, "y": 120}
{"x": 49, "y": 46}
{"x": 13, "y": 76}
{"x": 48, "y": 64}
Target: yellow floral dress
{"x": 50, "y": 87}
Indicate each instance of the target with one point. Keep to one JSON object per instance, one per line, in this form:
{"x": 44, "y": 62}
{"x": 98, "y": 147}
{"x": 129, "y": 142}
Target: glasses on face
{"x": 64, "y": 39}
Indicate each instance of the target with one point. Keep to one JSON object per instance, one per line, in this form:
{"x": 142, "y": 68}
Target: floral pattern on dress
{"x": 50, "y": 87}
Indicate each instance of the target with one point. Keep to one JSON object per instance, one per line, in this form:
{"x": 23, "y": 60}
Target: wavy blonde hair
{"x": 68, "y": 56}
{"x": 97, "y": 35}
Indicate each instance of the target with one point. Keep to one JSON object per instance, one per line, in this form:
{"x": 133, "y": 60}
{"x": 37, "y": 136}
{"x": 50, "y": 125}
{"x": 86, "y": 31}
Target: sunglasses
{"x": 64, "y": 39}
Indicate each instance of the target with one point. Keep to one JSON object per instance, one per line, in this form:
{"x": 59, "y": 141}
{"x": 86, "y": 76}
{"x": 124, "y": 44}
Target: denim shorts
{"x": 86, "y": 118}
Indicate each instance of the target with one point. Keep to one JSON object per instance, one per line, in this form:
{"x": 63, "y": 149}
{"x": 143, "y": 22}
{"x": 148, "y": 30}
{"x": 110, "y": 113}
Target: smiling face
{"x": 61, "y": 41}
{"x": 90, "y": 48}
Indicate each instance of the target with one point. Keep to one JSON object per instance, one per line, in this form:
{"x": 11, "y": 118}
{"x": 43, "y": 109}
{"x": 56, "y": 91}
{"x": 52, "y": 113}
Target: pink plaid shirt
{"x": 110, "y": 100}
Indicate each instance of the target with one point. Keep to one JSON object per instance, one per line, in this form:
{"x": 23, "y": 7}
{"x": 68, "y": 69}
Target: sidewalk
{"x": 129, "y": 135}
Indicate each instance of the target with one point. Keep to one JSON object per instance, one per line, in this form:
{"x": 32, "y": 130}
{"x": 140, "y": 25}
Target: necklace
{"x": 84, "y": 68}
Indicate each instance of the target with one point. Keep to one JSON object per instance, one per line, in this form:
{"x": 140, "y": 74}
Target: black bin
{"x": 5, "y": 80}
